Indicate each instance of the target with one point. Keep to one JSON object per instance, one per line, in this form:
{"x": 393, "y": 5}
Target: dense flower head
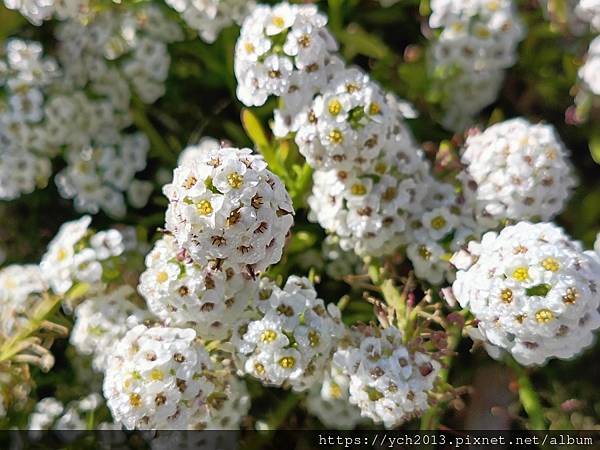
{"x": 97, "y": 176}
{"x": 368, "y": 211}
{"x": 76, "y": 255}
{"x": 347, "y": 125}
{"x": 21, "y": 288}
{"x": 476, "y": 35}
{"x": 24, "y": 148}
{"x": 209, "y": 298}
{"x": 478, "y": 40}
{"x": 280, "y": 46}
{"x": 129, "y": 44}
{"x": 329, "y": 402}
{"x": 209, "y": 17}
{"x": 37, "y": 11}
{"x": 516, "y": 170}
{"x": 102, "y": 320}
{"x": 290, "y": 338}
{"x": 533, "y": 291}
{"x": 159, "y": 377}
{"x": 388, "y": 381}
{"x": 226, "y": 205}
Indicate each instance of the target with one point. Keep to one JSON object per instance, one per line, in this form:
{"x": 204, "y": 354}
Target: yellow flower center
{"x": 161, "y": 277}
{"x": 235, "y": 180}
{"x": 506, "y": 295}
{"x": 304, "y": 41}
{"x": 424, "y": 252}
{"x": 521, "y": 274}
{"x": 278, "y": 21}
{"x": 336, "y": 136}
{"x": 249, "y": 47}
{"x": 268, "y": 336}
{"x": 550, "y": 264}
{"x": 259, "y": 368}
{"x": 61, "y": 255}
{"x": 156, "y": 375}
{"x": 204, "y": 208}
{"x": 374, "y": 108}
{"x": 544, "y": 316}
{"x": 358, "y": 189}
{"x": 352, "y": 87}
{"x": 287, "y": 362}
{"x": 135, "y": 400}
{"x": 335, "y": 391}
{"x": 438, "y": 222}
{"x": 313, "y": 338}
{"x": 334, "y": 107}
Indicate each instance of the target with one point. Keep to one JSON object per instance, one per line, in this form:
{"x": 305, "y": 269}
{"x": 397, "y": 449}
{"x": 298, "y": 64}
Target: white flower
{"x": 74, "y": 255}
{"x": 533, "y": 291}
{"x": 37, "y": 11}
{"x": 290, "y": 338}
{"x": 192, "y": 152}
{"x": 329, "y": 402}
{"x": 21, "y": 288}
{"x": 227, "y": 205}
{"x": 229, "y": 408}
{"x": 102, "y": 320}
{"x": 347, "y": 125}
{"x": 478, "y": 40}
{"x": 388, "y": 382}
{"x": 589, "y": 11}
{"x": 264, "y": 67}
{"x": 516, "y": 170}
{"x": 368, "y": 211}
{"x": 158, "y": 378}
{"x": 206, "y": 298}
{"x": 589, "y": 73}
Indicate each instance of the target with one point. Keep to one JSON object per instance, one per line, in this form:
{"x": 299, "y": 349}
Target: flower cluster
{"x": 208, "y": 298}
{"x": 282, "y": 49}
{"x": 346, "y": 126}
{"x": 51, "y": 414}
{"x": 445, "y": 225}
{"x": 329, "y": 402}
{"x": 157, "y": 378}
{"x": 516, "y": 170}
{"x": 77, "y": 254}
{"x": 24, "y": 143}
{"x": 478, "y": 40}
{"x": 211, "y": 16}
{"x": 129, "y": 44}
{"x": 37, "y": 11}
{"x": 369, "y": 210}
{"x": 227, "y": 205}
{"x": 98, "y": 175}
{"x": 290, "y": 338}
{"x": 101, "y": 320}
{"x": 21, "y": 288}
{"x": 533, "y": 291}
{"x": 388, "y": 381}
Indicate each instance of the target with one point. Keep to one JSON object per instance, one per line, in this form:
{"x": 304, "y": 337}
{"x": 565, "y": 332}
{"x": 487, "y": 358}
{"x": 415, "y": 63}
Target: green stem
{"x": 391, "y": 295}
{"x": 528, "y": 396}
{"x": 157, "y": 143}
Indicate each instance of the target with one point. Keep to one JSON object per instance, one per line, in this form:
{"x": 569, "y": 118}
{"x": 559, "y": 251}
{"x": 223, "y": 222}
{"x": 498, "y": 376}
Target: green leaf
{"x": 358, "y": 42}
{"x": 254, "y": 129}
